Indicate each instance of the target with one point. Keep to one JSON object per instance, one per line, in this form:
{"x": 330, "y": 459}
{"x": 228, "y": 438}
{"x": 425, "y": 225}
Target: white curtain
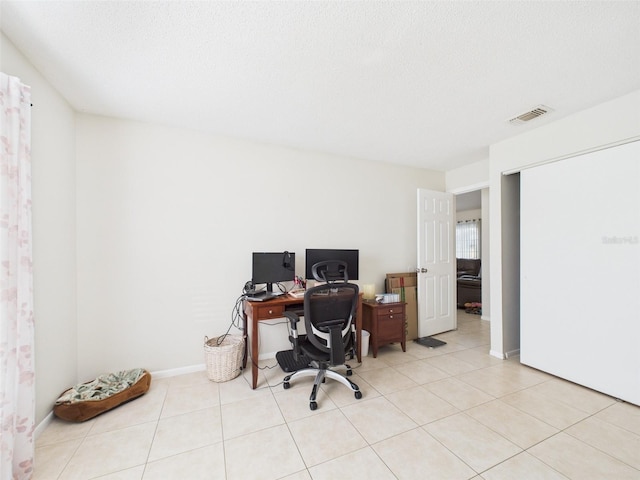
{"x": 17, "y": 374}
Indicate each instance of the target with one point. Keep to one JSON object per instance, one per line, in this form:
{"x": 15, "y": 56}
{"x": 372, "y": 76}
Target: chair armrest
{"x": 337, "y": 354}
{"x": 293, "y": 338}
{"x": 293, "y": 319}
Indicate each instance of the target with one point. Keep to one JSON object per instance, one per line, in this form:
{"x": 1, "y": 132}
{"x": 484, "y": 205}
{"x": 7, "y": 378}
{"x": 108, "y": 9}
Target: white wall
{"x": 54, "y": 243}
{"x": 168, "y": 218}
{"x": 475, "y": 214}
{"x": 466, "y": 179}
{"x": 609, "y": 123}
{"x": 166, "y": 223}
{"x": 486, "y": 256}
{"x": 509, "y": 238}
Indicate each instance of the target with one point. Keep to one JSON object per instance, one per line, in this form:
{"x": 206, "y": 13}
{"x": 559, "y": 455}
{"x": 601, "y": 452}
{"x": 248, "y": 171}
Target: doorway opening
{"x": 472, "y": 252}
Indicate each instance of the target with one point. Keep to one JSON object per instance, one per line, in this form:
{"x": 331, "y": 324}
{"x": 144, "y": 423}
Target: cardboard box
{"x": 399, "y": 280}
{"x": 406, "y": 284}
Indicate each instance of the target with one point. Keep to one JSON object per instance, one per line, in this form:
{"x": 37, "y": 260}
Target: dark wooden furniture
{"x": 385, "y": 323}
{"x": 254, "y": 312}
{"x": 469, "y": 282}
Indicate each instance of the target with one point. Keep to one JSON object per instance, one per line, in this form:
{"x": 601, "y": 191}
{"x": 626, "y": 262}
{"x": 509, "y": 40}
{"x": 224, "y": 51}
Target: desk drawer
{"x": 269, "y": 311}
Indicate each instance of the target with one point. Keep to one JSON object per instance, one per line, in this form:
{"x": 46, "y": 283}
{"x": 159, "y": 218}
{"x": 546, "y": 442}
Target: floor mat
{"x": 430, "y": 342}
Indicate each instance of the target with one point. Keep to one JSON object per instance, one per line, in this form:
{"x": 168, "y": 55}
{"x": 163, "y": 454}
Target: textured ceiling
{"x": 429, "y": 84}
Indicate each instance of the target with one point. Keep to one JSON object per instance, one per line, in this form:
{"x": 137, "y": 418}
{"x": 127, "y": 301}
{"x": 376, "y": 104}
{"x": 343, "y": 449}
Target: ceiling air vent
{"x": 530, "y": 115}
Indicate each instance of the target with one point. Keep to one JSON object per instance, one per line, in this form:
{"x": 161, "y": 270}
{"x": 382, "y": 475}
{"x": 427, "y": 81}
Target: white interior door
{"x": 436, "y": 262}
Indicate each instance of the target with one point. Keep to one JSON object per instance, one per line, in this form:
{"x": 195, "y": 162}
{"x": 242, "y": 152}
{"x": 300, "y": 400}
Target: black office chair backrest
{"x": 330, "y": 271}
{"x": 329, "y": 313}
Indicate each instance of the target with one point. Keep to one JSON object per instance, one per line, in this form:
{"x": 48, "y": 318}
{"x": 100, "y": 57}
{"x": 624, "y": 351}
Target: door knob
{"x": 423, "y": 270}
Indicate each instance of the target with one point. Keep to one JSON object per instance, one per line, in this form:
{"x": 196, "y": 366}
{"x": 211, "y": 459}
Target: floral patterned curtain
{"x": 17, "y": 388}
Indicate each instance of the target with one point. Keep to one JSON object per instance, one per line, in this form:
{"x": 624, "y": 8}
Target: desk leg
{"x": 245, "y": 337}
{"x": 250, "y": 335}
{"x": 359, "y": 342}
{"x": 359, "y": 330}
{"x": 254, "y": 353}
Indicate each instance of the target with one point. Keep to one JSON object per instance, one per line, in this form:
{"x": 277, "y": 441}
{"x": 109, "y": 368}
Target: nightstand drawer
{"x": 390, "y": 327}
{"x": 398, "y": 317}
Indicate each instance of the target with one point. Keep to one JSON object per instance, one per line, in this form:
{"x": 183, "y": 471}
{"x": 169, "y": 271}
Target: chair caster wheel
{"x": 358, "y": 395}
{"x": 286, "y": 385}
{"x": 313, "y": 405}
{"x": 349, "y": 373}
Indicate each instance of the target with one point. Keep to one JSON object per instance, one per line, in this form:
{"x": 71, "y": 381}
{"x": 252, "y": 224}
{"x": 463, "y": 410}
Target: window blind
{"x": 468, "y": 239}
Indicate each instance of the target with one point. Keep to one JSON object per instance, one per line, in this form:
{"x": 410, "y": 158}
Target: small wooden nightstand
{"x": 386, "y": 324}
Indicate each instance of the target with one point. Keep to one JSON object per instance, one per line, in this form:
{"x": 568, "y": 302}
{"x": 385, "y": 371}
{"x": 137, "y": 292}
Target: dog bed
{"x": 87, "y": 400}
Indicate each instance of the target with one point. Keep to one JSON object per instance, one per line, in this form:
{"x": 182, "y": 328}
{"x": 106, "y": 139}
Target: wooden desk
{"x": 254, "y": 312}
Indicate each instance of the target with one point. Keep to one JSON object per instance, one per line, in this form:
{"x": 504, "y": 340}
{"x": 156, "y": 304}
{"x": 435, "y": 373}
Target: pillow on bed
{"x": 87, "y": 400}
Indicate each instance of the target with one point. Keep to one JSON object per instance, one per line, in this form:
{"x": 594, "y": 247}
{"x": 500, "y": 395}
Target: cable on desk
{"x": 266, "y": 367}
{"x": 236, "y": 318}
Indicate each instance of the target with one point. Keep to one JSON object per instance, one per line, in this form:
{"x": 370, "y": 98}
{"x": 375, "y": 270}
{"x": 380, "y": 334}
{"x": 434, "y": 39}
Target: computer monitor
{"x": 273, "y": 267}
{"x": 315, "y": 255}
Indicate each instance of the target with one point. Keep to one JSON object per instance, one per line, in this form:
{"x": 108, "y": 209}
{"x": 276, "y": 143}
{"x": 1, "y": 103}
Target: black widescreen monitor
{"x": 273, "y": 267}
{"x": 315, "y": 255}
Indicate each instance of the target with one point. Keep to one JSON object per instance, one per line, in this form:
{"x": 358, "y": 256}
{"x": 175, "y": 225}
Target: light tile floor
{"x": 451, "y": 412}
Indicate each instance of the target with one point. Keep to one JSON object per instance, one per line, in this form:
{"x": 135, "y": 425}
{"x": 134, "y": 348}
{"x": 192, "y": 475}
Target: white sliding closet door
{"x": 580, "y": 270}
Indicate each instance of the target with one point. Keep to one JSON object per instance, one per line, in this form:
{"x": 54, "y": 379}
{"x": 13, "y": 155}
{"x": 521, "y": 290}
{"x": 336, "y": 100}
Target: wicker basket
{"x": 224, "y": 360}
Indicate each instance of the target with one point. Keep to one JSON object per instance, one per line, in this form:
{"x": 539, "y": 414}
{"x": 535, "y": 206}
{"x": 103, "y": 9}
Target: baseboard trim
{"x": 499, "y": 355}
{"x": 267, "y": 356}
{"x": 513, "y": 353}
{"x": 43, "y": 424}
{"x": 173, "y": 372}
